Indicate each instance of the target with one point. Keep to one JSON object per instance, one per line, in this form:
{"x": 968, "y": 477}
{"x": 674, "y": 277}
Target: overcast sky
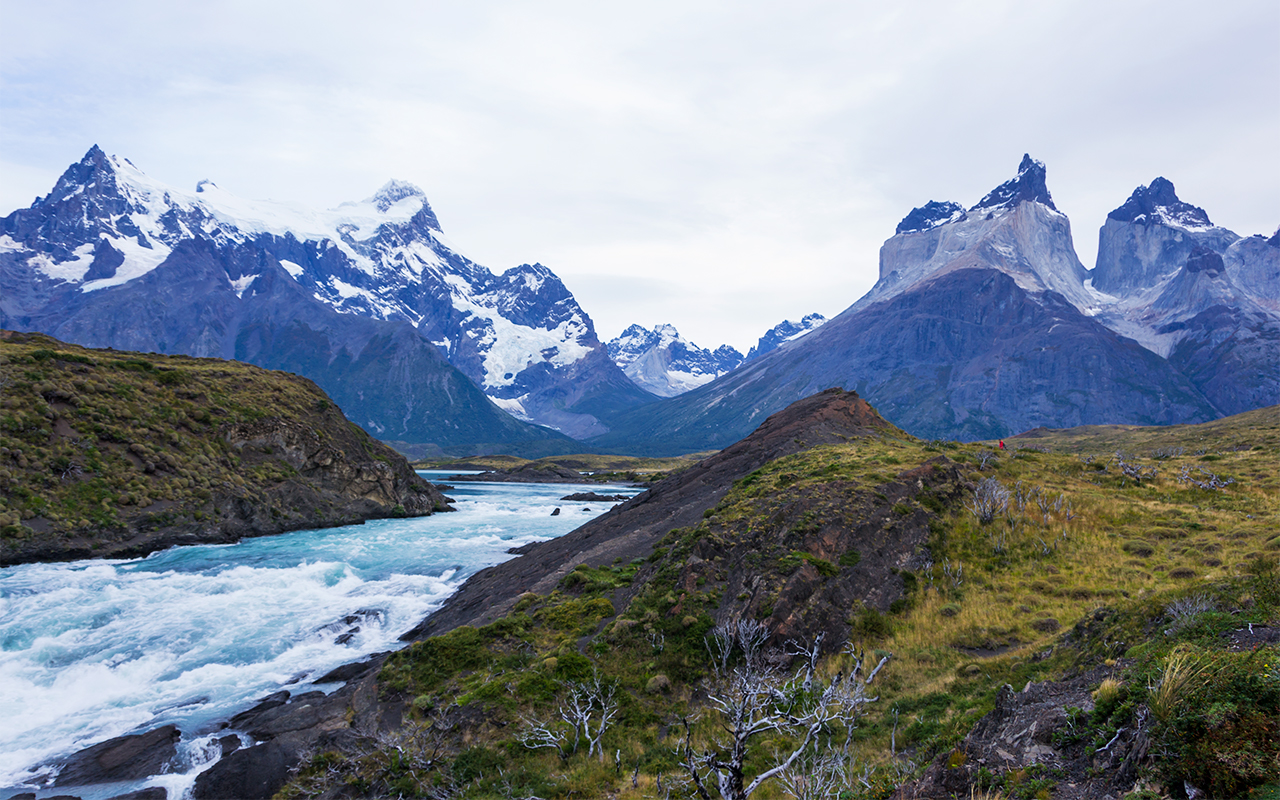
{"x": 717, "y": 165}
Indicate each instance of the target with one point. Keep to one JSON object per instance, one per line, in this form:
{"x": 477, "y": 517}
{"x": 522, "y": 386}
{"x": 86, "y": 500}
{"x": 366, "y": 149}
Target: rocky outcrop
{"x": 179, "y": 451}
{"x": 593, "y": 497}
{"x": 1025, "y": 732}
{"x": 533, "y": 472}
{"x": 124, "y": 758}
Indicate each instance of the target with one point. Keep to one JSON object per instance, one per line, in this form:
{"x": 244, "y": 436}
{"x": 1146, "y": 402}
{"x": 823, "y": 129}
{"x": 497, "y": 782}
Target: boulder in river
{"x": 251, "y": 772}
{"x": 125, "y": 758}
{"x": 593, "y": 497}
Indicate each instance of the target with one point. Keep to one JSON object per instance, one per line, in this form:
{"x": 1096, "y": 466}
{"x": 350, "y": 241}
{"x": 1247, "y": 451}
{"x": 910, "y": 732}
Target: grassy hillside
{"x": 106, "y": 452}
{"x": 1124, "y": 558}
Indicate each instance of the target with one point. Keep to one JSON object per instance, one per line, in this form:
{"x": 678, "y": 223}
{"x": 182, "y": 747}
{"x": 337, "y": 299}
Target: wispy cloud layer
{"x": 716, "y": 165}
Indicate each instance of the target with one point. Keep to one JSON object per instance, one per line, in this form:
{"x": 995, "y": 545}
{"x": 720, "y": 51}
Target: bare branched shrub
{"x": 584, "y": 714}
{"x": 989, "y": 499}
{"x": 1208, "y": 481}
{"x": 954, "y": 573}
{"x": 380, "y": 757}
{"x": 1132, "y": 470}
{"x": 1162, "y": 453}
{"x": 1185, "y": 610}
{"x": 985, "y": 457}
{"x": 755, "y": 697}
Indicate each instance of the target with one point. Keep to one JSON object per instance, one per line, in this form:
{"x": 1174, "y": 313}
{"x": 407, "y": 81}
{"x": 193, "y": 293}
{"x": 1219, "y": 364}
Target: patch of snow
{"x": 242, "y": 283}
{"x": 8, "y": 245}
{"x": 70, "y": 271}
{"x": 346, "y": 291}
{"x": 513, "y": 406}
{"x": 1185, "y": 221}
{"x": 293, "y": 269}
{"x": 138, "y": 261}
{"x": 681, "y": 381}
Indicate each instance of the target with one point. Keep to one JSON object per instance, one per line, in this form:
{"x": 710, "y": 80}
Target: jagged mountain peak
{"x": 783, "y": 332}
{"x": 1274, "y": 241}
{"x": 930, "y": 215}
{"x": 95, "y": 171}
{"x": 1028, "y": 186}
{"x": 1158, "y": 202}
{"x": 665, "y": 363}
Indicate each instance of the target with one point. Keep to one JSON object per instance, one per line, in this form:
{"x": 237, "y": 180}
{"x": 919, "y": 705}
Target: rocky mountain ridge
{"x": 107, "y": 235}
{"x": 665, "y": 363}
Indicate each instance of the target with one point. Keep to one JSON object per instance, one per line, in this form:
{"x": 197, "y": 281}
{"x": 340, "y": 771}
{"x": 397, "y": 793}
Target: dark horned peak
{"x": 1028, "y": 186}
{"x": 929, "y": 216}
{"x": 1202, "y": 259}
{"x": 1159, "y": 203}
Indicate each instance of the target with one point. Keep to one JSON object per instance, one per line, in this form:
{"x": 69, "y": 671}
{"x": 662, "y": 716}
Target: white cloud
{"x": 746, "y": 159}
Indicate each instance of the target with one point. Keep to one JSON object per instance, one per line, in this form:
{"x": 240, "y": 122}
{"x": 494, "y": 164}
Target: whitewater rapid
{"x": 94, "y": 649}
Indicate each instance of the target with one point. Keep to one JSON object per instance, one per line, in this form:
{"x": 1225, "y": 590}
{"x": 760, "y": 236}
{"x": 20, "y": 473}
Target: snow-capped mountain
{"x": 984, "y": 323}
{"x": 1195, "y": 293}
{"x": 785, "y": 331}
{"x": 107, "y": 228}
{"x": 665, "y": 363}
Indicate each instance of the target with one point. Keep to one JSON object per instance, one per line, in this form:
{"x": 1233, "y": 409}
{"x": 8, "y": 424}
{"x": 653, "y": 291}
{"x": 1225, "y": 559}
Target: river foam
{"x": 90, "y": 650}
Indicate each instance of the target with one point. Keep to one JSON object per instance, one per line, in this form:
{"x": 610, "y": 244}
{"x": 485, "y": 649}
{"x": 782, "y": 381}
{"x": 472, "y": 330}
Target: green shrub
{"x": 869, "y": 623}
{"x": 1216, "y": 714}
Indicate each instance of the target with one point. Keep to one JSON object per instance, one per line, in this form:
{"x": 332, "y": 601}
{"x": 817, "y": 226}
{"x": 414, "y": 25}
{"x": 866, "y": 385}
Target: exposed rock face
{"x": 1019, "y": 733}
{"x": 1028, "y": 186}
{"x": 1015, "y": 229}
{"x": 1195, "y": 293}
{"x": 665, "y": 363}
{"x": 929, "y": 216}
{"x": 124, "y": 758}
{"x": 1149, "y": 236}
{"x": 208, "y": 274}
